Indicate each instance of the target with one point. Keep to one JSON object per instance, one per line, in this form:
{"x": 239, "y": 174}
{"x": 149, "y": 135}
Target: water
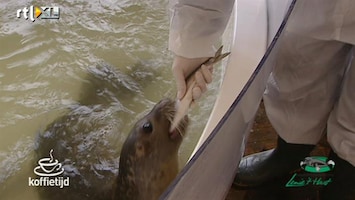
{"x": 48, "y": 68}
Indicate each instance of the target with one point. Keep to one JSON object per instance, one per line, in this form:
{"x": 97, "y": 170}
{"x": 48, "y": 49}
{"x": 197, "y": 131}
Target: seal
{"x": 149, "y": 156}
{"x": 87, "y": 139}
{"x": 148, "y": 160}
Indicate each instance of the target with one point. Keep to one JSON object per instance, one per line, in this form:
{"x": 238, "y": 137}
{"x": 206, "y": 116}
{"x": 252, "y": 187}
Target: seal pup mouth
{"x": 169, "y": 109}
{"x": 175, "y": 134}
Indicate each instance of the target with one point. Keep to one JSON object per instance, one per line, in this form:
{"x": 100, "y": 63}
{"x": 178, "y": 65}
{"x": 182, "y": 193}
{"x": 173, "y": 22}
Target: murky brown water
{"x": 48, "y": 68}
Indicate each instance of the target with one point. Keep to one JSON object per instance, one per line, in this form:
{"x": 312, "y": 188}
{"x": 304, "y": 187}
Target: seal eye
{"x": 148, "y": 127}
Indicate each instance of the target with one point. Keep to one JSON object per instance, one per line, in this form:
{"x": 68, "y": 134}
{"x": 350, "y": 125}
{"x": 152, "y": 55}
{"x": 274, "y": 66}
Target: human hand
{"x": 183, "y": 67}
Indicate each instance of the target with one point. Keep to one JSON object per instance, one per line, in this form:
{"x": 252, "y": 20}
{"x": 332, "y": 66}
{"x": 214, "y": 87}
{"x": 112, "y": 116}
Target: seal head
{"x": 149, "y": 156}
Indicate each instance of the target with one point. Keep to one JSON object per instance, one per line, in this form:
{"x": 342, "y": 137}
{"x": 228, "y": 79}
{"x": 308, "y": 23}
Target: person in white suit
{"x": 311, "y": 88}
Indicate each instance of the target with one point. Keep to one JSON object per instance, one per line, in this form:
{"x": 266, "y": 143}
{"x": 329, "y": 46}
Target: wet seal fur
{"x": 149, "y": 156}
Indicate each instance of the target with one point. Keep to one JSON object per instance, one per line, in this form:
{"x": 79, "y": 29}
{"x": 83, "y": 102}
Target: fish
{"x": 185, "y": 103}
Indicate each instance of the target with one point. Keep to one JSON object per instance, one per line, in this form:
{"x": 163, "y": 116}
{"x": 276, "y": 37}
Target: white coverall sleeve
{"x": 197, "y": 25}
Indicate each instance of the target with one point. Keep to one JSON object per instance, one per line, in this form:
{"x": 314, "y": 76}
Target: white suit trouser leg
{"x": 312, "y": 86}
{"x": 303, "y": 89}
{"x": 341, "y": 123}
{"x": 304, "y": 86}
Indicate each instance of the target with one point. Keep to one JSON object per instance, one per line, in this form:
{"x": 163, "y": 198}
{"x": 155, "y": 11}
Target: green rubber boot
{"x": 259, "y": 168}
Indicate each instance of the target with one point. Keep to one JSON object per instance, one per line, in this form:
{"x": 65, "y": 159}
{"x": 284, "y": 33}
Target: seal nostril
{"x": 148, "y": 127}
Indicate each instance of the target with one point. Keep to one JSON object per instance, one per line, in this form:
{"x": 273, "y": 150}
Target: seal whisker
{"x": 171, "y": 94}
{"x": 169, "y": 113}
{"x": 180, "y": 131}
{"x": 181, "y": 126}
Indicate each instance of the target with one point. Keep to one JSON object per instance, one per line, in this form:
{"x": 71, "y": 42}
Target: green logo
{"x": 315, "y": 165}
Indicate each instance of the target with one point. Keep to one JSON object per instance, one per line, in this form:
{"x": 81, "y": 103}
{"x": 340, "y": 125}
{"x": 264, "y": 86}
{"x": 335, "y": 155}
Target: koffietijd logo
{"x": 49, "y": 170}
{"x": 316, "y": 172}
{"x": 38, "y": 12}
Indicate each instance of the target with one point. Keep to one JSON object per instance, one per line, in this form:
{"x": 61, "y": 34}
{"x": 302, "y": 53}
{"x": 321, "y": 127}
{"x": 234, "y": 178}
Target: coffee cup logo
{"x": 48, "y": 166}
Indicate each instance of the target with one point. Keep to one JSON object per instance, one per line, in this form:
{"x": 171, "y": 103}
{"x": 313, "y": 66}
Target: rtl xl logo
{"x": 34, "y": 12}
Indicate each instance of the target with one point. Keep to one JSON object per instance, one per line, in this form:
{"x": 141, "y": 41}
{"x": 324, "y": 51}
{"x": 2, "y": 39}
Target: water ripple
{"x": 24, "y": 86}
{"x": 11, "y": 160}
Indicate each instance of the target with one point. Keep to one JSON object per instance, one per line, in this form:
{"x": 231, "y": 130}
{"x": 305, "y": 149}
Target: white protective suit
{"x": 312, "y": 86}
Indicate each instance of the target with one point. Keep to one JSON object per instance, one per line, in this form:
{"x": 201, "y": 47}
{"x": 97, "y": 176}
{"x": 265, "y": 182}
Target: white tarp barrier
{"x": 210, "y": 172}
